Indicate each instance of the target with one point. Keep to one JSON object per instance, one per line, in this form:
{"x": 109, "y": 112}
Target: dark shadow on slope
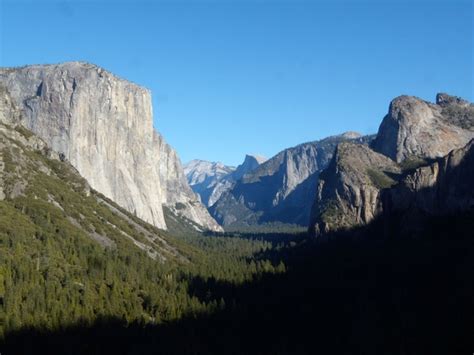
{"x": 384, "y": 288}
{"x": 375, "y": 295}
{"x": 272, "y": 236}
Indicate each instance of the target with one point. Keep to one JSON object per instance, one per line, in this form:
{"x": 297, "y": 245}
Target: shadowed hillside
{"x": 392, "y": 295}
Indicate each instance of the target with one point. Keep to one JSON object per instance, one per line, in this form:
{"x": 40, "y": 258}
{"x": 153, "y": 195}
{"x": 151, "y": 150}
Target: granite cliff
{"x": 409, "y": 168}
{"x": 348, "y": 191}
{"x": 103, "y": 126}
{"x": 43, "y": 198}
{"x": 414, "y": 128}
{"x": 281, "y": 189}
{"x": 441, "y": 188}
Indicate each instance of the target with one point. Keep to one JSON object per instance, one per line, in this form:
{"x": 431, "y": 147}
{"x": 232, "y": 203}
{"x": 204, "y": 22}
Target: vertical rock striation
{"x": 349, "y": 188}
{"x": 175, "y": 190}
{"x": 282, "y": 189}
{"x": 444, "y": 187}
{"x": 415, "y": 165}
{"x": 102, "y": 124}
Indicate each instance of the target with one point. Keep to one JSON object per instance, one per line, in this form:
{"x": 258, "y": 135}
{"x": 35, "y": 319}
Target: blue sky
{"x": 236, "y": 77}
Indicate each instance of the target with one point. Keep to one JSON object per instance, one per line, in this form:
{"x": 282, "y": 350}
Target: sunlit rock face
{"x": 283, "y": 188}
{"x": 102, "y": 124}
{"x": 420, "y": 164}
{"x": 417, "y": 128}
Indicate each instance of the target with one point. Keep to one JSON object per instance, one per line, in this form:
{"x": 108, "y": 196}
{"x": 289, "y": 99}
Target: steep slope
{"x": 416, "y": 128}
{"x": 46, "y": 193}
{"x": 103, "y": 125}
{"x": 280, "y": 190}
{"x": 176, "y": 193}
{"x": 361, "y": 184}
{"x": 349, "y": 189}
{"x": 442, "y": 188}
{"x": 210, "y": 180}
{"x": 251, "y": 162}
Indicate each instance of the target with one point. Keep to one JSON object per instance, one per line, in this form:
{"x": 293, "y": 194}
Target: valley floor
{"x": 279, "y": 294}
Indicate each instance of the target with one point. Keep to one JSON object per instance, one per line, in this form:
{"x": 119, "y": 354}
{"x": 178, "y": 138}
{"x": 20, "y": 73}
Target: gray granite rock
{"x": 282, "y": 189}
{"x": 349, "y": 189}
{"x": 103, "y": 125}
{"x": 416, "y": 128}
{"x": 427, "y": 143}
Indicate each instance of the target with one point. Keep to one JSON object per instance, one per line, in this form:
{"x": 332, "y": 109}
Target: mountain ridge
{"x": 281, "y": 189}
{"x": 353, "y": 191}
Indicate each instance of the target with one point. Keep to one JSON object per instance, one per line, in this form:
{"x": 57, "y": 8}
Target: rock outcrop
{"x": 103, "y": 125}
{"x": 414, "y": 128}
{"x": 427, "y": 143}
{"x": 443, "y": 187}
{"x": 175, "y": 190}
{"x": 282, "y": 189}
{"x": 349, "y": 189}
{"x": 251, "y": 162}
{"x": 39, "y": 190}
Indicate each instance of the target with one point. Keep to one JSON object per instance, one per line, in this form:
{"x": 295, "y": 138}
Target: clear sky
{"x": 236, "y": 77}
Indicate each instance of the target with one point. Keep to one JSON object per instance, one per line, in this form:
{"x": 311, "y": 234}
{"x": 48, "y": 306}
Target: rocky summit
{"x": 103, "y": 126}
{"x": 420, "y": 163}
{"x": 417, "y": 128}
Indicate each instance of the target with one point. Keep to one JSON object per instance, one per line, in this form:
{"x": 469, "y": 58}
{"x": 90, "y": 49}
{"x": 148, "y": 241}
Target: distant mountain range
{"x": 102, "y": 126}
{"x": 280, "y": 189}
{"x": 211, "y": 179}
{"x": 336, "y": 182}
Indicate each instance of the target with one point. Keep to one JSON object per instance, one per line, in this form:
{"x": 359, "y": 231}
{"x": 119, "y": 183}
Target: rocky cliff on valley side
{"x": 414, "y": 128}
{"x": 349, "y": 188}
{"x": 103, "y": 125}
{"x": 414, "y": 164}
{"x": 282, "y": 189}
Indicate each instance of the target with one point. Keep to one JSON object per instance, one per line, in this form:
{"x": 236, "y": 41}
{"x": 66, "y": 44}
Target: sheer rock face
{"x": 251, "y": 162}
{"x": 176, "y": 192}
{"x": 429, "y": 143}
{"x": 349, "y": 189}
{"x": 102, "y": 124}
{"x": 440, "y": 188}
{"x": 282, "y": 189}
{"x": 416, "y": 128}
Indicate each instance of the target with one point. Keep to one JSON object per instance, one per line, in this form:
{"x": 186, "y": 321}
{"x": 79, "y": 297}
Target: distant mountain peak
{"x": 251, "y": 162}
{"x": 440, "y": 127}
{"x": 351, "y": 135}
{"x": 259, "y": 158}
